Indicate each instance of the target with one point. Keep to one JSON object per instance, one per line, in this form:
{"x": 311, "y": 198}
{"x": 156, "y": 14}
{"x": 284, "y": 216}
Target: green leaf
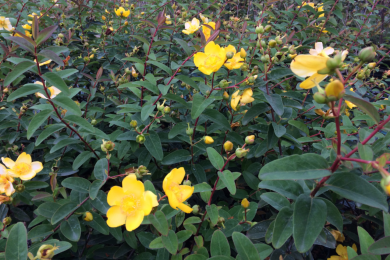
{"x": 140, "y": 39}
{"x": 300, "y": 125}
{"x": 48, "y": 131}
{"x": 350, "y": 186}
{"x": 65, "y": 142}
{"x": 290, "y": 189}
{"x": 199, "y": 104}
{"x": 153, "y": 144}
{"x": 99, "y": 224}
{"x": 56, "y": 81}
{"x": 365, "y": 106}
{"x": 170, "y": 242}
{"x": 276, "y": 103}
{"x": 80, "y": 122}
{"x": 16, "y": 247}
{"x": 63, "y": 211}
{"x": 176, "y": 157}
{"x": 77, "y": 184}
{"x": 23, "y": 43}
{"x": 37, "y": 121}
{"x": 365, "y": 240}
{"x": 94, "y": 188}
{"x": 161, "y": 66}
{"x": 45, "y": 34}
{"x": 25, "y": 90}
{"x": 179, "y": 128}
{"x": 215, "y": 158}
{"x": 183, "y": 235}
{"x": 254, "y": 111}
{"x": 386, "y": 223}
{"x": 66, "y": 73}
{"x": 100, "y": 202}
{"x": 35, "y": 185}
{"x": 40, "y": 231}
{"x": 275, "y": 200}
{"x": 333, "y": 215}
{"x": 212, "y": 212}
{"x": 365, "y": 152}
{"x": 68, "y": 104}
{"x": 308, "y": 220}
{"x": 81, "y": 159}
{"x": 130, "y": 239}
{"x": 228, "y": 179}
{"x": 279, "y": 130}
{"x": 219, "y": 244}
{"x": 245, "y": 248}
{"x": 52, "y": 56}
{"x": 351, "y": 252}
{"x": 100, "y": 170}
{"x": 71, "y": 229}
{"x": 156, "y": 243}
{"x": 184, "y": 45}
{"x": 159, "y": 221}
{"x": 296, "y": 167}
{"x": 380, "y": 247}
{"x": 283, "y": 228}
{"x": 218, "y": 118}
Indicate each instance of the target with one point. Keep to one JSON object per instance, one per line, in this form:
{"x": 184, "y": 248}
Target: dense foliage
{"x": 194, "y": 130}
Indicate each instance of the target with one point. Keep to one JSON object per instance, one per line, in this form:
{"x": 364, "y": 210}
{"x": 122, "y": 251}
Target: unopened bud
{"x": 107, "y": 146}
{"x": 367, "y": 54}
{"x": 229, "y": 55}
{"x": 272, "y": 43}
{"x": 319, "y": 98}
{"x": 140, "y": 139}
{"x": 268, "y": 28}
{"x": 228, "y": 146}
{"x": 133, "y": 123}
{"x": 245, "y": 203}
{"x": 259, "y": 29}
{"x": 88, "y": 216}
{"x": 240, "y": 152}
{"x": 195, "y": 209}
{"x": 7, "y": 221}
{"x": 208, "y": 140}
{"x": 371, "y": 65}
{"x": 93, "y": 122}
{"x": 225, "y": 95}
{"x": 242, "y": 53}
{"x": 19, "y": 188}
{"x": 250, "y": 139}
{"x": 187, "y": 182}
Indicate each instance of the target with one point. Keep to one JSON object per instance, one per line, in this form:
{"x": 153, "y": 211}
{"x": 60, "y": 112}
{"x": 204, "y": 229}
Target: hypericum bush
{"x": 194, "y": 130}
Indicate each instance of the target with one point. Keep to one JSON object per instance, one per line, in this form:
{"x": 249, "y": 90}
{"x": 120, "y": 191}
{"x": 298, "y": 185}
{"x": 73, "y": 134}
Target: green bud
{"x": 367, "y": 54}
{"x": 334, "y": 63}
{"x": 319, "y": 98}
{"x": 324, "y": 71}
{"x": 259, "y": 29}
{"x": 229, "y": 55}
{"x": 195, "y": 209}
{"x": 60, "y": 35}
{"x": 167, "y": 110}
{"x": 19, "y": 188}
{"x": 93, "y": 122}
{"x": 278, "y": 40}
{"x": 222, "y": 83}
{"x": 251, "y": 79}
{"x": 272, "y": 43}
{"x": 240, "y": 152}
{"x": 187, "y": 182}
{"x": 268, "y": 28}
{"x": 133, "y": 123}
{"x": 7, "y": 221}
{"x": 140, "y": 139}
{"x": 189, "y": 131}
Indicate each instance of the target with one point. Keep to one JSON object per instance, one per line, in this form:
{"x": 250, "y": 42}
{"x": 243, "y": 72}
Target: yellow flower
{"x": 350, "y": 104}
{"x": 88, "y": 216}
{"x": 338, "y": 236}
{"x": 207, "y": 30}
{"x": 168, "y": 19}
{"x": 26, "y": 27}
{"x": 106, "y": 11}
{"x": 142, "y": 13}
{"x": 245, "y": 98}
{"x": 351, "y": 89}
{"x": 208, "y": 140}
{"x": 321, "y": 9}
{"x": 175, "y": 192}
{"x": 24, "y": 168}
{"x": 342, "y": 253}
{"x": 43, "y": 63}
{"x": 308, "y": 66}
{"x": 335, "y": 90}
{"x": 6, "y": 182}
{"x": 235, "y": 62}
{"x": 228, "y": 146}
{"x": 203, "y": 18}
{"x": 320, "y": 51}
{"x": 4, "y": 198}
{"x": 320, "y": 27}
{"x": 245, "y": 203}
{"x": 211, "y": 60}
{"x": 5, "y": 24}
{"x": 242, "y": 53}
{"x": 347, "y": 112}
{"x": 129, "y": 204}
{"x": 319, "y": 112}
{"x": 121, "y": 12}
{"x": 103, "y": 18}
{"x": 304, "y": 3}
{"x": 52, "y": 90}
{"x": 191, "y": 27}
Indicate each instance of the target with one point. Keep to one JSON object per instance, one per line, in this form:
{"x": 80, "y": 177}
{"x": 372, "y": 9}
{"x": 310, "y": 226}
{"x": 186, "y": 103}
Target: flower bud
{"x": 7, "y": 221}
{"x": 385, "y": 183}
{"x": 88, "y": 216}
{"x": 133, "y": 123}
{"x": 334, "y": 90}
{"x": 272, "y": 43}
{"x": 371, "y": 65}
{"x": 250, "y": 139}
{"x": 245, "y": 203}
{"x": 240, "y": 152}
{"x": 319, "y": 98}
{"x": 334, "y": 63}
{"x": 187, "y": 182}
{"x": 324, "y": 71}
{"x": 107, "y": 146}
{"x": 251, "y": 79}
{"x": 103, "y": 18}
{"x": 225, "y": 96}
{"x": 195, "y": 209}
{"x": 140, "y": 139}
{"x": 86, "y": 59}
{"x": 228, "y": 146}
{"x": 19, "y": 188}
{"x": 46, "y": 252}
{"x": 126, "y": 23}
{"x": 263, "y": 44}
{"x": 292, "y": 56}
{"x": 367, "y": 54}
{"x": 244, "y": 67}
{"x": 278, "y": 40}
{"x": 259, "y": 29}
{"x": 93, "y": 122}
{"x": 268, "y": 28}
{"x": 229, "y": 55}
{"x": 242, "y": 53}
{"x": 222, "y": 83}
{"x": 208, "y": 140}
{"x": 167, "y": 110}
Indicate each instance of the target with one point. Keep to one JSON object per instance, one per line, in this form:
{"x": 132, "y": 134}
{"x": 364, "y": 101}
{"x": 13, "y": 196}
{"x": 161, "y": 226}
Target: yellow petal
{"x": 185, "y": 192}
{"x": 199, "y": 59}
{"x": 185, "y": 208}
{"x": 24, "y": 158}
{"x": 115, "y": 217}
{"x": 354, "y": 247}
{"x": 173, "y": 202}
{"x": 8, "y": 162}
{"x": 176, "y": 176}
{"x": 342, "y": 250}
{"x": 230, "y": 48}
{"x": 307, "y": 65}
{"x": 36, "y": 166}
{"x": 313, "y": 81}
{"x": 349, "y": 104}
{"x": 150, "y": 201}
{"x": 235, "y": 94}
{"x": 134, "y": 221}
{"x": 131, "y": 185}
{"x": 211, "y": 47}
{"x": 115, "y": 196}
{"x": 28, "y": 175}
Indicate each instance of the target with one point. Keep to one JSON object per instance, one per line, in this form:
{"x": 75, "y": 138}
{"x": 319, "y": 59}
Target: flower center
{"x": 211, "y": 60}
{"x": 130, "y": 204}
{"x": 22, "y": 168}
{"x": 175, "y": 188}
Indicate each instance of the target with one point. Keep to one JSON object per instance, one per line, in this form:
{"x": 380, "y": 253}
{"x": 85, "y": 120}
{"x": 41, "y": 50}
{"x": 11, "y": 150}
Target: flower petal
{"x": 173, "y": 202}
{"x": 185, "y": 208}
{"x": 24, "y": 158}
{"x": 3, "y": 170}
{"x": 175, "y": 176}
{"x": 312, "y": 81}
{"x": 199, "y": 59}
{"x": 328, "y": 50}
{"x": 185, "y": 192}
{"x": 134, "y": 221}
{"x": 28, "y": 176}
{"x": 36, "y": 166}
{"x": 115, "y": 196}
{"x": 150, "y": 201}
{"x": 131, "y": 185}
{"x": 230, "y": 48}
{"x": 115, "y": 217}
{"x": 211, "y": 47}
{"x": 307, "y": 65}
{"x": 318, "y": 46}
{"x": 8, "y": 162}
